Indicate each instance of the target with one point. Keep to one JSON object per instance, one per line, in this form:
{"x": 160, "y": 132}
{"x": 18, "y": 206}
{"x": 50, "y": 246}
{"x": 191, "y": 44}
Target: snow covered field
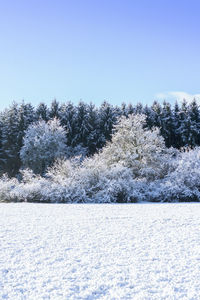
{"x": 137, "y": 251}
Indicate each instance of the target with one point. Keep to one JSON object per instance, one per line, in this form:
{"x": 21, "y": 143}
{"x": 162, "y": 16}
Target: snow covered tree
{"x": 26, "y": 116}
{"x": 194, "y": 116}
{"x": 156, "y": 107}
{"x": 42, "y": 112}
{"x": 107, "y": 119}
{"x": 130, "y": 109}
{"x": 123, "y": 111}
{"x": 176, "y": 125}
{"x": 54, "y": 111}
{"x": 1, "y": 149}
{"x": 10, "y": 140}
{"x": 92, "y": 138}
{"x": 150, "y": 116}
{"x": 139, "y": 108}
{"x": 68, "y": 121}
{"x": 43, "y": 143}
{"x": 167, "y": 129}
{"x": 82, "y": 129}
{"x": 183, "y": 184}
{"x": 136, "y": 147}
{"x": 184, "y": 128}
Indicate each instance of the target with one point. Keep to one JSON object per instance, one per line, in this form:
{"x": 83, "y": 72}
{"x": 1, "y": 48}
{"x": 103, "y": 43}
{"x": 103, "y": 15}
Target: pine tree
{"x": 157, "y": 109}
{"x": 139, "y": 108}
{"x": 185, "y": 125}
{"x": 82, "y": 129}
{"x": 194, "y": 116}
{"x": 68, "y": 113}
{"x": 93, "y": 130}
{"x": 2, "y": 159}
{"x": 26, "y": 116}
{"x": 167, "y": 124}
{"x": 54, "y": 111}
{"x": 42, "y": 112}
{"x": 10, "y": 140}
{"x": 176, "y": 125}
{"x": 130, "y": 109}
{"x": 124, "y": 110}
{"x": 150, "y": 116}
{"x": 107, "y": 119}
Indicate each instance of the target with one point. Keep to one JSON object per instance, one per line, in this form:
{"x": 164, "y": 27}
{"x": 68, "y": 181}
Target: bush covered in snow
{"x": 184, "y": 183}
{"x": 7, "y": 185}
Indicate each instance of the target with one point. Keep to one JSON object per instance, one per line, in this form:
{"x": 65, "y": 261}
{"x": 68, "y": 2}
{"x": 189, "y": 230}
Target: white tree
{"x": 43, "y": 143}
{"x": 138, "y": 148}
{"x": 184, "y": 183}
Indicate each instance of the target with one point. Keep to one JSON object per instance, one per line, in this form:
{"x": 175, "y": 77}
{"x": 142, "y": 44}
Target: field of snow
{"x": 137, "y": 251}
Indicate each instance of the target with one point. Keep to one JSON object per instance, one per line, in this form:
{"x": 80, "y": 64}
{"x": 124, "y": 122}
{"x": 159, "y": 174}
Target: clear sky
{"x": 95, "y": 50}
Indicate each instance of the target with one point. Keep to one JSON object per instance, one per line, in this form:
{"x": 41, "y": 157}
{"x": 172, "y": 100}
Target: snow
{"x": 84, "y": 251}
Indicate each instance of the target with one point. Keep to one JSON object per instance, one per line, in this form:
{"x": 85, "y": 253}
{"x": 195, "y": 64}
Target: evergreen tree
{"x": 107, "y": 119}
{"x": 82, "y": 129}
{"x": 124, "y": 110}
{"x": 176, "y": 126}
{"x": 68, "y": 113}
{"x": 157, "y": 109}
{"x": 194, "y": 117}
{"x": 26, "y": 116}
{"x": 2, "y": 159}
{"x": 10, "y": 139}
{"x": 139, "y": 108}
{"x": 150, "y": 116}
{"x": 42, "y": 112}
{"x": 93, "y": 130}
{"x": 130, "y": 109}
{"x": 167, "y": 125}
{"x": 54, "y": 110}
{"x": 184, "y": 128}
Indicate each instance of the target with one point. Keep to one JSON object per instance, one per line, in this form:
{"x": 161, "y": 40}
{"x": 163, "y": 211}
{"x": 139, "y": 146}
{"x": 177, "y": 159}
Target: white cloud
{"x": 179, "y": 96}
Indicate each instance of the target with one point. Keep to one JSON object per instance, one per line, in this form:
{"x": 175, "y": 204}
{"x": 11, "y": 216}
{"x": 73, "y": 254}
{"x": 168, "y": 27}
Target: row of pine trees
{"x": 89, "y": 127}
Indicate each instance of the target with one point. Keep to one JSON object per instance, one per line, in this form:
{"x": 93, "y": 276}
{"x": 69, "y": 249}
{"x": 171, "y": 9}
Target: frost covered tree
{"x": 68, "y": 121}
{"x": 14, "y": 121}
{"x": 194, "y": 116}
{"x": 54, "y": 111}
{"x": 107, "y": 118}
{"x": 138, "y": 148}
{"x": 157, "y": 109}
{"x": 1, "y": 150}
{"x": 183, "y": 184}
{"x": 10, "y": 140}
{"x": 26, "y": 116}
{"x": 43, "y": 143}
{"x": 42, "y": 112}
{"x": 92, "y": 139}
{"x": 82, "y": 129}
{"x": 167, "y": 124}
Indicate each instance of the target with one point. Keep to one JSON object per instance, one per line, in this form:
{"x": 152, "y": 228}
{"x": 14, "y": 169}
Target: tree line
{"x": 88, "y": 127}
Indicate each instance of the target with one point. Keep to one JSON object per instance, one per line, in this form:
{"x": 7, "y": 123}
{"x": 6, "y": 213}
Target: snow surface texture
{"x": 78, "y": 251}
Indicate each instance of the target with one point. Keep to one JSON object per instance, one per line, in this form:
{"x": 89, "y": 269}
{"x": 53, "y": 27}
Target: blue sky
{"x": 130, "y": 50}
